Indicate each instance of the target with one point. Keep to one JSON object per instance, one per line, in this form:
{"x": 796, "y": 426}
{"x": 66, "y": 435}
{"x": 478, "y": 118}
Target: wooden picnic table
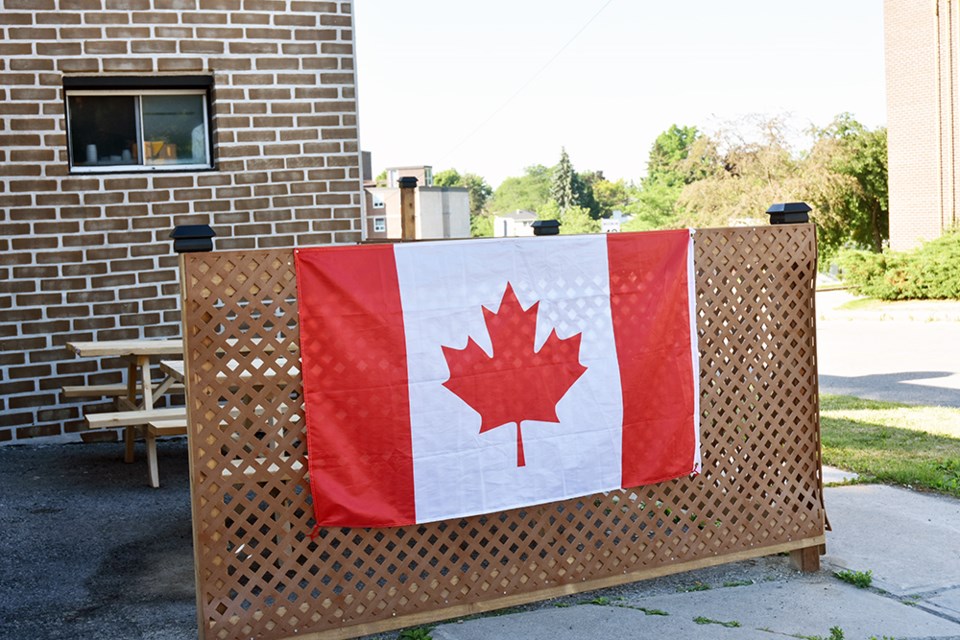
{"x": 136, "y": 397}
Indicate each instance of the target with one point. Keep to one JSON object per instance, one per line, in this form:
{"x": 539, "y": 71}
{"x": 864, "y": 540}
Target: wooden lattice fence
{"x": 260, "y": 575}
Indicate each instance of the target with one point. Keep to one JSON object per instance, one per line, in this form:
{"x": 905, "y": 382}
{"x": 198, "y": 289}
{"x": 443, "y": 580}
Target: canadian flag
{"x": 445, "y": 379}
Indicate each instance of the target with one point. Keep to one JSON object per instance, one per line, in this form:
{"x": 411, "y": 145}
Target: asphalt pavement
{"x": 901, "y": 352}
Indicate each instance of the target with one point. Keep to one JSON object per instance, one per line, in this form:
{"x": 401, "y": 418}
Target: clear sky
{"x": 462, "y": 83}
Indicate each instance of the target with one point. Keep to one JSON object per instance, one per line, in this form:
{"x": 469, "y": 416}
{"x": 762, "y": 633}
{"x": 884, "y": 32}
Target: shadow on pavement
{"x": 905, "y": 387}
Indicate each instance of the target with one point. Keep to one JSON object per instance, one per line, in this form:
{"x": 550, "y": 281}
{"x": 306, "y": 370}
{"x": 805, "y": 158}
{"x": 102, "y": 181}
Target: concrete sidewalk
{"x": 910, "y": 541}
{"x": 90, "y": 551}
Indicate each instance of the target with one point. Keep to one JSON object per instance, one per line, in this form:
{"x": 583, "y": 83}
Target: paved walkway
{"x": 910, "y": 541}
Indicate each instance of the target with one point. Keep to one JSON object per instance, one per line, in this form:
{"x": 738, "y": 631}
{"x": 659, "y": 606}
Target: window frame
{"x": 138, "y": 91}
{"x": 380, "y": 221}
{"x": 377, "y": 200}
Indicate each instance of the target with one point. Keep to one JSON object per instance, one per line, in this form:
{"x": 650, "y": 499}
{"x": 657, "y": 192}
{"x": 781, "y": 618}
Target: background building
{"x": 441, "y": 212}
{"x": 120, "y": 120}
{"x": 518, "y": 223}
{"x": 923, "y": 121}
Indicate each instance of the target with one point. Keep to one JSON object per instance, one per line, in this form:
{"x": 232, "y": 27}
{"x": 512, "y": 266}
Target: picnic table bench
{"x": 135, "y": 398}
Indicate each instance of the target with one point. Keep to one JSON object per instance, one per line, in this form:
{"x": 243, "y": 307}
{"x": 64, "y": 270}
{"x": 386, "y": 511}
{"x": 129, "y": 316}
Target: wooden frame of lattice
{"x": 260, "y": 575}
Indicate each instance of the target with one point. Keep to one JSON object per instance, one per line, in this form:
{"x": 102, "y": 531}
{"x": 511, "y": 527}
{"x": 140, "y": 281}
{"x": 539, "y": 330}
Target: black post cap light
{"x": 188, "y": 238}
{"x": 408, "y": 182}
{"x": 789, "y": 213}
{"x": 546, "y": 227}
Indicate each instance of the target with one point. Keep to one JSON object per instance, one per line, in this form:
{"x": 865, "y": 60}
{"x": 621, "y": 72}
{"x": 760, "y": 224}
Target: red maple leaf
{"x": 514, "y": 383}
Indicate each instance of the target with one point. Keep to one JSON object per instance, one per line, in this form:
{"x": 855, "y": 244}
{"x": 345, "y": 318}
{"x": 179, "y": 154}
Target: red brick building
{"x": 121, "y": 119}
{"x": 923, "y": 117}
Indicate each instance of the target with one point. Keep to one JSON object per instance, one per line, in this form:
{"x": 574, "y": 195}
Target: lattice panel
{"x": 260, "y": 575}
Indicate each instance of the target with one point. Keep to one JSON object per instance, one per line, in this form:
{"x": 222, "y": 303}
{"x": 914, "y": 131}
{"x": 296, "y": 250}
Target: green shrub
{"x": 938, "y": 267}
{"x": 931, "y": 271}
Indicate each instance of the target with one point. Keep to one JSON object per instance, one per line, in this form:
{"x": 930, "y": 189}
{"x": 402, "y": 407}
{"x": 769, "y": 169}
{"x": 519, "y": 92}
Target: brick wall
{"x": 88, "y": 256}
{"x": 923, "y": 120}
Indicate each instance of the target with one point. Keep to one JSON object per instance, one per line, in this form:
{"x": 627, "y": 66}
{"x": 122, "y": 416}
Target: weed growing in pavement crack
{"x": 862, "y": 579}
{"x": 418, "y": 633}
{"x": 836, "y": 633}
{"x": 649, "y": 612}
{"x": 738, "y": 583}
{"x": 702, "y": 620}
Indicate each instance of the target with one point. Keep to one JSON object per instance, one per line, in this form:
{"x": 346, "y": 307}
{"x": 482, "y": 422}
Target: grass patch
{"x": 696, "y": 586}
{"x": 646, "y": 611}
{"x": 864, "y": 304}
{"x": 738, "y": 583}
{"x": 417, "y": 633}
{"x": 599, "y": 600}
{"x": 893, "y": 443}
{"x": 702, "y": 620}
{"x": 862, "y": 579}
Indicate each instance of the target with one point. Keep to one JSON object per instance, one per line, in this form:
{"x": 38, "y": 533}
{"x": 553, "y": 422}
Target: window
{"x": 117, "y": 127}
{"x": 379, "y": 225}
{"x": 377, "y": 200}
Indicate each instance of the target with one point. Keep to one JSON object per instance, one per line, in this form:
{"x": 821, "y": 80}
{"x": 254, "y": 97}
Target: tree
{"x": 748, "y": 166}
{"x": 678, "y": 157}
{"x": 610, "y": 196}
{"x": 562, "y": 186}
{"x": 481, "y": 226}
{"x": 529, "y": 192}
{"x": 584, "y": 185}
{"x": 478, "y": 188}
{"x": 447, "y": 178}
{"x": 480, "y": 192}
{"x": 671, "y": 162}
{"x": 577, "y": 219}
{"x": 652, "y": 207}
{"x": 843, "y": 177}
{"x": 845, "y": 180}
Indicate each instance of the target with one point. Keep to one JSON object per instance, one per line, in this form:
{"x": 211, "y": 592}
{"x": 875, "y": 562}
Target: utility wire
{"x": 526, "y": 84}
{"x": 529, "y": 81}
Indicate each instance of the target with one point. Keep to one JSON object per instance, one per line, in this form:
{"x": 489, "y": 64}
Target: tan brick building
{"x": 922, "y": 39}
{"x": 120, "y": 119}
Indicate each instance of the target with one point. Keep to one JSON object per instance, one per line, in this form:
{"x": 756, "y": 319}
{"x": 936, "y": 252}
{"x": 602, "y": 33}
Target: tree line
{"x": 726, "y": 177}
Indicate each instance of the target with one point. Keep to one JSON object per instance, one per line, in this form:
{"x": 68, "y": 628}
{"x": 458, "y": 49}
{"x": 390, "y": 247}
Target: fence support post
{"x": 806, "y": 559}
{"x": 408, "y": 208}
